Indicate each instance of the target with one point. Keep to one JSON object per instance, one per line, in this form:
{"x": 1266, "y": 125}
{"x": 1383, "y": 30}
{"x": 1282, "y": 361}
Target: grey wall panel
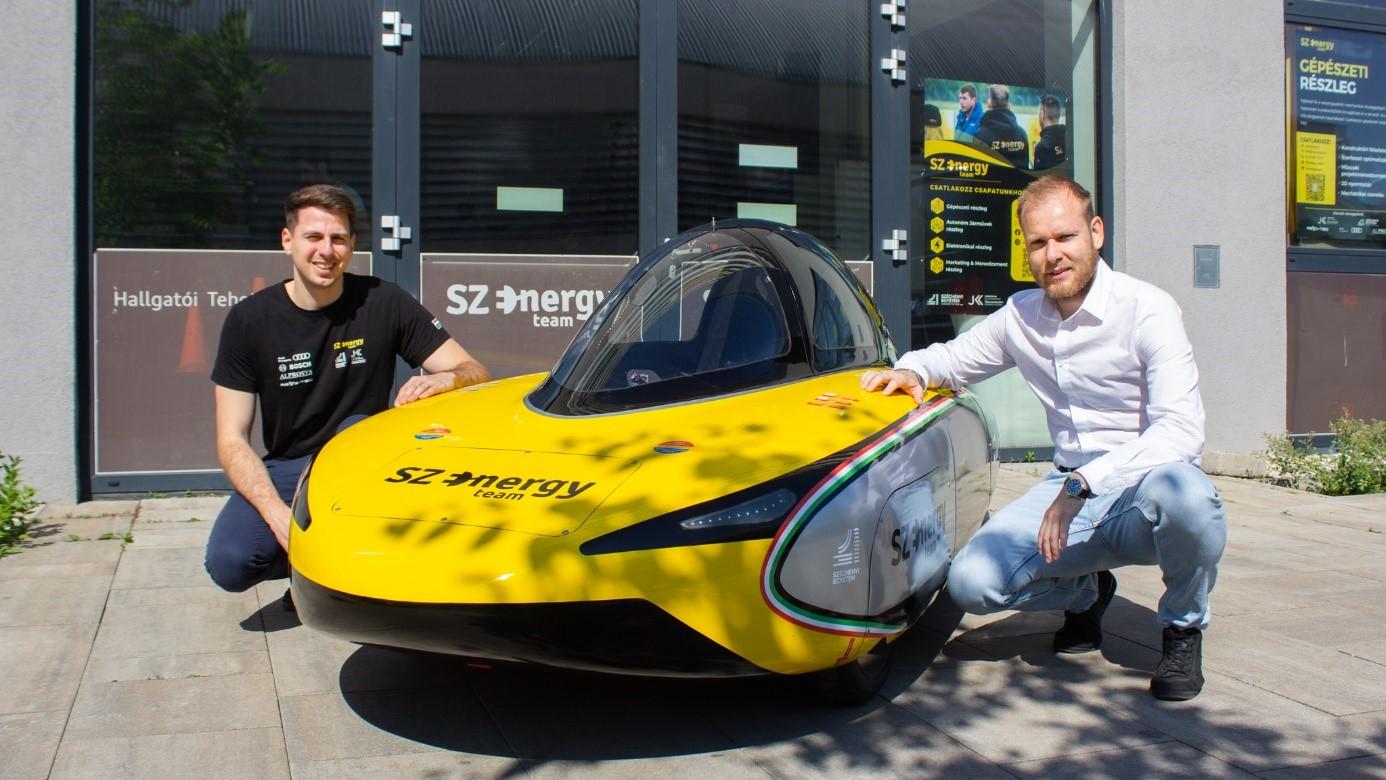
{"x": 38, "y": 381}
{"x": 1199, "y": 153}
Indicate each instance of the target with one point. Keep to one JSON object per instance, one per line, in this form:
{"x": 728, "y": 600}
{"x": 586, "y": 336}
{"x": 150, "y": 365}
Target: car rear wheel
{"x": 856, "y": 682}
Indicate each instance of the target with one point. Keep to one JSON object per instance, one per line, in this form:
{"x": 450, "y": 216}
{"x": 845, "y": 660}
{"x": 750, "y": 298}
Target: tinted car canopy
{"x": 720, "y": 309}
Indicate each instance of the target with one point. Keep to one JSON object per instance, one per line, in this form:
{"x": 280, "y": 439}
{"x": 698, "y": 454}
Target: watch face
{"x": 1073, "y": 487}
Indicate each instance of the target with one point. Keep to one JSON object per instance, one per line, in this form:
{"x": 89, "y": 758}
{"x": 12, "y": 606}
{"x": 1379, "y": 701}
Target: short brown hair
{"x": 1046, "y": 186}
{"x": 324, "y": 196}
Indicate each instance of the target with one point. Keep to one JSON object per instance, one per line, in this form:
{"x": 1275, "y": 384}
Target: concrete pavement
{"x": 120, "y": 659}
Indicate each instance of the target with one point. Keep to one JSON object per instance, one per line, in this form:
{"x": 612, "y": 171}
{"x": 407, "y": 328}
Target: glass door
{"x": 1001, "y": 92}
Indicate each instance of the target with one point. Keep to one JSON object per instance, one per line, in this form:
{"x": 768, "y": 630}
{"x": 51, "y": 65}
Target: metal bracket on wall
{"x": 397, "y": 233}
{"x": 895, "y": 246}
{"x": 396, "y": 30}
{"x": 895, "y": 12}
{"x": 895, "y": 66}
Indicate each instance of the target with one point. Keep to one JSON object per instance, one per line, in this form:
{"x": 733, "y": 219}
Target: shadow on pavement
{"x": 539, "y": 713}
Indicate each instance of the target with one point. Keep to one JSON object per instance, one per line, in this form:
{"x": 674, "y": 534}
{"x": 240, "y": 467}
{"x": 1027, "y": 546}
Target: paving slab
{"x": 28, "y": 743}
{"x": 723, "y": 766}
{"x": 432, "y": 765}
{"x": 160, "y": 567}
{"x": 790, "y": 739}
{"x": 87, "y": 510}
{"x": 979, "y": 694}
{"x": 174, "y": 667}
{"x": 139, "y": 708}
{"x": 57, "y": 551}
{"x": 140, "y": 631}
{"x": 84, "y": 527}
{"x": 169, "y": 535}
{"x": 308, "y": 662}
{"x": 200, "y": 592}
{"x": 1365, "y": 767}
{"x": 553, "y": 715}
{"x": 52, "y": 602}
{"x": 1151, "y": 761}
{"x": 1282, "y": 592}
{"x": 244, "y": 754}
{"x": 331, "y": 726}
{"x": 179, "y": 509}
{"x": 43, "y": 666}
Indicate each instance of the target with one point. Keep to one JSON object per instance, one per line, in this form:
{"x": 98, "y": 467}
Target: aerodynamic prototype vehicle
{"x": 699, "y": 487}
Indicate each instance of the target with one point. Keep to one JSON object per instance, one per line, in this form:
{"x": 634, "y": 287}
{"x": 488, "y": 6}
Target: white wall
{"x": 39, "y": 268}
{"x": 1199, "y": 152}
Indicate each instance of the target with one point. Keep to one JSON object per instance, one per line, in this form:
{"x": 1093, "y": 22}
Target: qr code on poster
{"x": 1315, "y": 188}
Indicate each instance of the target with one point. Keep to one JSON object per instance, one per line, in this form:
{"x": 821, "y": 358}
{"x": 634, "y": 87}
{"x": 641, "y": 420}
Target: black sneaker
{"x": 1179, "y": 675}
{"x": 1082, "y": 631}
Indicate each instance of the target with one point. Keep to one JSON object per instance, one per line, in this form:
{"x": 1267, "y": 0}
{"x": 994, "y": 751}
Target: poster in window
{"x": 982, "y": 144}
{"x": 1337, "y": 146}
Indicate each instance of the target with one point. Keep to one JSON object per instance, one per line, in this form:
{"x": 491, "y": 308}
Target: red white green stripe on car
{"x": 808, "y": 507}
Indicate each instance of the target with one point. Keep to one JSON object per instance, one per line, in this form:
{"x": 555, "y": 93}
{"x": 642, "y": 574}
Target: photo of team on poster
{"x": 1027, "y": 126}
{"x": 981, "y": 143}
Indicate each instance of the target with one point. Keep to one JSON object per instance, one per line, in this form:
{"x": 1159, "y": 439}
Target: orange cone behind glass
{"x": 193, "y": 359}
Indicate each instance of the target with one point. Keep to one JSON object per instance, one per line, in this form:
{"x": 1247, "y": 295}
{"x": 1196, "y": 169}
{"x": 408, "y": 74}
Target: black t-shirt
{"x": 313, "y": 369}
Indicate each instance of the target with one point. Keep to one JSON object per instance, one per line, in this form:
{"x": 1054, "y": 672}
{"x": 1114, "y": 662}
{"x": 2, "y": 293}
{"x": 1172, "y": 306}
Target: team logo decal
{"x": 432, "y": 433}
{"x": 832, "y": 401}
{"x": 673, "y": 447}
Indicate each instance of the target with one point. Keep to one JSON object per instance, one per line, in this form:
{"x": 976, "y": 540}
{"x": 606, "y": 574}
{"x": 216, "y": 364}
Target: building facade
{"x": 512, "y": 159}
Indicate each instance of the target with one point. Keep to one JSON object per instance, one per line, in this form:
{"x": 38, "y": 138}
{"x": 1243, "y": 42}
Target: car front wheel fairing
{"x": 860, "y": 546}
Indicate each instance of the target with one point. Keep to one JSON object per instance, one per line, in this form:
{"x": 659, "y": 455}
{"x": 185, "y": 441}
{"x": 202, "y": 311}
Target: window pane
{"x": 207, "y": 114}
{"x": 1337, "y": 347}
{"x": 774, "y": 116}
{"x": 530, "y": 130}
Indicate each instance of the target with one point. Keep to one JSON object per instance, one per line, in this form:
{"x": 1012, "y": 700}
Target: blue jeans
{"x": 1172, "y": 518}
{"x": 242, "y": 550}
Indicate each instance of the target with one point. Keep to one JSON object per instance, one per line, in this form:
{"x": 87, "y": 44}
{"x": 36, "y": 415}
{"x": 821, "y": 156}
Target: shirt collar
{"x": 1094, "y": 303}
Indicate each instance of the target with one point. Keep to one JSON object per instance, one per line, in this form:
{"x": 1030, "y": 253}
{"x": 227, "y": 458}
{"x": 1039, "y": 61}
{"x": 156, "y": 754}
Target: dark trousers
{"x": 242, "y": 550}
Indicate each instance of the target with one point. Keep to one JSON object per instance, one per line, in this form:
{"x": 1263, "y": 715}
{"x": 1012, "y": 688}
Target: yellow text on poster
{"x": 1316, "y": 181}
{"x": 1020, "y": 262}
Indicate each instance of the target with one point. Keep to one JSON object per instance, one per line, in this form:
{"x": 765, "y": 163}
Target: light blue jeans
{"x": 1172, "y": 518}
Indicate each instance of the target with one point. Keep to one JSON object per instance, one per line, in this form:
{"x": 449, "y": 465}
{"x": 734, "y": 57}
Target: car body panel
{"x": 781, "y": 527}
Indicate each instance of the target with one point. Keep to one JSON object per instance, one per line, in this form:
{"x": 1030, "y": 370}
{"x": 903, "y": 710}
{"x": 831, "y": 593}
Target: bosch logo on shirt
{"x": 295, "y": 369}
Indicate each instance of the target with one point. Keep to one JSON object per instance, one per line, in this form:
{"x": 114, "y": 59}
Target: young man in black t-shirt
{"x": 318, "y": 351}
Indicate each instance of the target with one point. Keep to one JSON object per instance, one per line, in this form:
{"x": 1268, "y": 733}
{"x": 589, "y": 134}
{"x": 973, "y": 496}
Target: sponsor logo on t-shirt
{"x": 296, "y": 369}
{"x": 436, "y": 324}
{"x": 353, "y": 350}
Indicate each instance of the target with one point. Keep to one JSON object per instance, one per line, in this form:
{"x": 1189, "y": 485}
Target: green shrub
{"x": 16, "y": 506}
{"x": 1356, "y": 464}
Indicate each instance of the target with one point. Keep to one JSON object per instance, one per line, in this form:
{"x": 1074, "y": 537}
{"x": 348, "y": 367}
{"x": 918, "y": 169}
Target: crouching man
{"x": 1109, "y": 360}
{"x": 318, "y": 352}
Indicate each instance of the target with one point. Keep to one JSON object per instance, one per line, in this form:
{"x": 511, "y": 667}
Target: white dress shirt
{"x": 1117, "y": 378}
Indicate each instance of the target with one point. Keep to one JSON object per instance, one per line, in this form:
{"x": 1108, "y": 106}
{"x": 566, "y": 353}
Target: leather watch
{"x": 1074, "y": 488}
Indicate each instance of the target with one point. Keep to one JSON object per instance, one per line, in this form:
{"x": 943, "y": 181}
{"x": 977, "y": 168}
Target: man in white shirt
{"x": 1108, "y": 358}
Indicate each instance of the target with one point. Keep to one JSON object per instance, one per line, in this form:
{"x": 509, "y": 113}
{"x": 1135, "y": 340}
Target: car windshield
{"x": 719, "y": 313}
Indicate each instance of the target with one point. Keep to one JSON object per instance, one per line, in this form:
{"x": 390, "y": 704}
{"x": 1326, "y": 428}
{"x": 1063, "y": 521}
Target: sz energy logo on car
{"x": 492, "y": 485}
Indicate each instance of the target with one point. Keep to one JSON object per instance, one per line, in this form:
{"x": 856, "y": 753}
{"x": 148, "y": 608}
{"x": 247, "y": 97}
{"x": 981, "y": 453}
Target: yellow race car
{"x": 699, "y": 487}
